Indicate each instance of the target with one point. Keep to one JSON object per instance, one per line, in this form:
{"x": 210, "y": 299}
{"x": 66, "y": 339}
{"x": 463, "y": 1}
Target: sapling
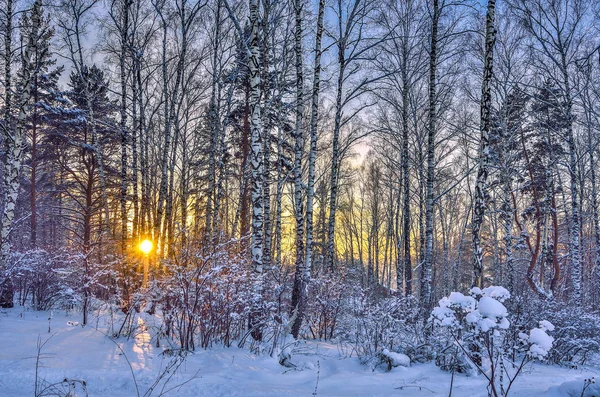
{"x": 478, "y": 325}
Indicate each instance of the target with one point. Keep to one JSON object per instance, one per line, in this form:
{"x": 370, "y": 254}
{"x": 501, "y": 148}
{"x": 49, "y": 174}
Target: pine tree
{"x": 508, "y": 124}
{"x": 238, "y": 117}
{"x": 74, "y": 146}
{"x": 543, "y": 151}
{"x": 44, "y": 96}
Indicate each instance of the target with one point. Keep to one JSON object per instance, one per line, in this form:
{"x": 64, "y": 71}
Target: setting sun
{"x": 146, "y": 246}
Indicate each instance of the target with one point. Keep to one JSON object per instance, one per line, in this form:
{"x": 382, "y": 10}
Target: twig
{"x": 420, "y": 388}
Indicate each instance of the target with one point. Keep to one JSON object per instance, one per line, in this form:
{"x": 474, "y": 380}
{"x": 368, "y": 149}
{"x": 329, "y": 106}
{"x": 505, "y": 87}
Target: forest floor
{"x": 109, "y": 367}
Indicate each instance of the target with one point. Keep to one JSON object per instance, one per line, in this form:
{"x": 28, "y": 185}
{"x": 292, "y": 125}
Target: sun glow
{"x": 146, "y": 246}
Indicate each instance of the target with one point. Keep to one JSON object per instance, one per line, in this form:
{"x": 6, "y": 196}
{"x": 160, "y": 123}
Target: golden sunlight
{"x": 146, "y": 246}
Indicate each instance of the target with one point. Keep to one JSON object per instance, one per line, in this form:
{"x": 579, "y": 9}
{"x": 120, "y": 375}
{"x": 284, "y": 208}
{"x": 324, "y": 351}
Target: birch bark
{"x": 15, "y": 144}
{"x": 484, "y": 149}
{"x": 314, "y": 120}
{"x": 299, "y": 291}
{"x": 427, "y": 265}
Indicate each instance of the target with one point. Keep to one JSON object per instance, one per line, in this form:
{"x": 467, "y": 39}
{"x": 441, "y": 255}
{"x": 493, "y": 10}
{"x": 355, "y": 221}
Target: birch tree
{"x": 187, "y": 15}
{"x": 444, "y": 48}
{"x": 354, "y": 47}
{"x": 15, "y": 137}
{"x": 403, "y": 62}
{"x": 214, "y": 114}
{"x": 589, "y": 95}
{"x": 299, "y": 291}
{"x": 256, "y": 140}
{"x": 484, "y": 145}
{"x": 427, "y": 265}
{"x": 312, "y": 154}
{"x": 13, "y": 143}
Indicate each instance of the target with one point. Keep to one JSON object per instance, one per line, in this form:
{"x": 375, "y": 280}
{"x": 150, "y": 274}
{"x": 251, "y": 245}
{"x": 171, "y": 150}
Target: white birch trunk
{"x": 256, "y": 162}
{"x": 256, "y": 155}
{"x": 10, "y": 193}
{"x": 312, "y": 156}
{"x": 427, "y": 265}
{"x": 484, "y": 149}
{"x": 576, "y": 265}
{"x": 404, "y": 268}
{"x": 169, "y": 99}
{"x": 299, "y": 291}
{"x": 15, "y": 143}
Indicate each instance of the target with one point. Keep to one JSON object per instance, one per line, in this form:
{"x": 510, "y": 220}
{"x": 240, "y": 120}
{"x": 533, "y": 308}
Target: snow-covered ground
{"x": 86, "y": 354}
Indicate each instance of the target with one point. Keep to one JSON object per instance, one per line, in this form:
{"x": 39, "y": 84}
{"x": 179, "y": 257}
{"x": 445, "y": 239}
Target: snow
{"x": 497, "y": 292}
{"x": 397, "y": 359}
{"x": 476, "y": 291}
{"x": 574, "y": 388}
{"x": 459, "y": 300}
{"x": 484, "y": 309}
{"x": 546, "y": 325}
{"x": 490, "y": 314}
{"x": 87, "y": 354}
{"x": 540, "y": 341}
{"x": 444, "y": 314}
{"x": 491, "y": 308}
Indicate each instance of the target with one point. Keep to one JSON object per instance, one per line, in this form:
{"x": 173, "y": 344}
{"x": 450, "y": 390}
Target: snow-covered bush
{"x": 372, "y": 324}
{"x": 64, "y": 279}
{"x": 364, "y": 321}
{"x": 462, "y": 320}
{"x": 203, "y": 300}
{"x": 479, "y": 328}
{"x": 393, "y": 359}
{"x": 577, "y": 333}
{"x": 538, "y": 341}
{"x": 326, "y": 296}
{"x": 482, "y": 310}
{"x": 42, "y": 279}
{"x": 206, "y": 300}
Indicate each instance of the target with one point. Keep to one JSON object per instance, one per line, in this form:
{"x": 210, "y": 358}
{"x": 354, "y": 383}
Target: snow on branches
{"x": 482, "y": 310}
{"x": 538, "y": 340}
{"x": 478, "y": 326}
